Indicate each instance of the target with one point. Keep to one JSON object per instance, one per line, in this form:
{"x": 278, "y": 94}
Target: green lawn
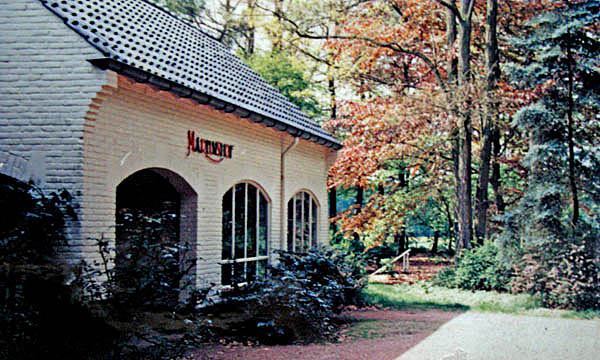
{"x": 424, "y": 296}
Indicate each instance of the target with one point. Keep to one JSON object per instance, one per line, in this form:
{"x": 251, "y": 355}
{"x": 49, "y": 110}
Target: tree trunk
{"x": 436, "y": 238}
{"x": 251, "y": 36}
{"x": 452, "y": 65}
{"x": 465, "y": 208}
{"x": 465, "y": 131}
{"x": 451, "y": 231}
{"x": 333, "y": 208}
{"x": 332, "y": 97}
{"x": 450, "y": 238}
{"x": 360, "y": 197}
{"x": 452, "y": 70}
{"x": 493, "y": 71}
{"x": 496, "y": 179}
{"x": 225, "y": 37}
{"x": 456, "y": 173}
{"x": 278, "y": 40}
{"x": 482, "y": 186}
{"x": 359, "y": 201}
{"x": 571, "y": 143}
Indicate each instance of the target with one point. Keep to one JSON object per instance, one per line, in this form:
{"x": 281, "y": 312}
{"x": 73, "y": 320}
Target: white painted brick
{"x": 129, "y": 121}
{"x": 46, "y": 89}
{"x": 36, "y": 115}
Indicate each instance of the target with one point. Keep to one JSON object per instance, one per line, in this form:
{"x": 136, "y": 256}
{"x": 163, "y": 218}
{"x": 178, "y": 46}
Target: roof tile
{"x": 147, "y": 38}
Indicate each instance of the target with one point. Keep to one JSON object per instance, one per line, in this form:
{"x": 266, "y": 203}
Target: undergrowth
{"x": 424, "y": 296}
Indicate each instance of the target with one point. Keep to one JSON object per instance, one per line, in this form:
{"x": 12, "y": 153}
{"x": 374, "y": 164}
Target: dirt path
{"x": 372, "y": 334}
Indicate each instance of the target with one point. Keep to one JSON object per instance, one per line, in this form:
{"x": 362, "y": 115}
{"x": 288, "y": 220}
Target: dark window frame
{"x": 235, "y": 265}
{"x": 302, "y": 222}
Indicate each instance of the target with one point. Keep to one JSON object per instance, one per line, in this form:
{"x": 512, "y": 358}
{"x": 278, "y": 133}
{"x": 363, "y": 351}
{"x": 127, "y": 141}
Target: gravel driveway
{"x": 485, "y": 336}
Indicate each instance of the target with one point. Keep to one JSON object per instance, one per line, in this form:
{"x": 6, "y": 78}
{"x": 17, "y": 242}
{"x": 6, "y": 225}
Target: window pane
{"x": 262, "y": 268}
{"x": 299, "y": 232}
{"x": 315, "y": 212}
{"x": 239, "y": 273}
{"x": 290, "y": 227}
{"x": 251, "y": 271}
{"x": 252, "y": 220}
{"x": 226, "y": 274}
{"x": 264, "y": 226}
{"x": 227, "y": 226}
{"x": 306, "y": 221}
{"x": 240, "y": 225}
{"x": 245, "y": 233}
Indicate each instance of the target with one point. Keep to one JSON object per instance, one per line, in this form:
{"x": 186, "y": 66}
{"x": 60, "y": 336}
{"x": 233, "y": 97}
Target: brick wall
{"x": 46, "y": 86}
{"x": 67, "y": 124}
{"x": 131, "y": 127}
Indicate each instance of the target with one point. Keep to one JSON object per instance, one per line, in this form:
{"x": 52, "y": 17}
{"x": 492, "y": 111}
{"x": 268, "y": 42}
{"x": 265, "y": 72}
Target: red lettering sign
{"x": 208, "y": 148}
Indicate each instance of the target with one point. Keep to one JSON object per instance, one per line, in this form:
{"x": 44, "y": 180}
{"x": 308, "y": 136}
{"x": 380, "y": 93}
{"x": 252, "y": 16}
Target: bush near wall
{"x": 301, "y": 296}
{"x": 40, "y": 316}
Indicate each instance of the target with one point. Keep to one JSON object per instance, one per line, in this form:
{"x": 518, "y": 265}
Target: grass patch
{"x": 424, "y": 296}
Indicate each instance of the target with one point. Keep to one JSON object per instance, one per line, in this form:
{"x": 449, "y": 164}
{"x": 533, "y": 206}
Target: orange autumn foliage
{"x": 395, "y": 55}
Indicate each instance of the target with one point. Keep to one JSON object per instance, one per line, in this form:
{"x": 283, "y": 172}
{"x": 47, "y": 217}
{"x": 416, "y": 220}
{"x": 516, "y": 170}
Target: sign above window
{"x": 213, "y": 150}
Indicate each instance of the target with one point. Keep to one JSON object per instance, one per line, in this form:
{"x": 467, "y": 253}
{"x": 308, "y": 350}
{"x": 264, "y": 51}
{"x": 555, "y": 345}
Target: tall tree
{"x": 552, "y": 234}
{"x": 559, "y": 64}
{"x": 431, "y": 68}
{"x": 560, "y": 61}
{"x": 488, "y": 127}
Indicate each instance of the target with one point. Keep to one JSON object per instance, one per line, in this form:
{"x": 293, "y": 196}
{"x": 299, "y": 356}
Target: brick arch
{"x": 188, "y": 200}
{"x": 188, "y": 208}
{"x": 254, "y": 183}
{"x": 310, "y": 192}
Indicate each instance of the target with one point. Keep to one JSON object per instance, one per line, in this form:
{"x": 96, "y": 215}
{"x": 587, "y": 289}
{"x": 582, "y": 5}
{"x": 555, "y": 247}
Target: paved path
{"x": 485, "y": 336}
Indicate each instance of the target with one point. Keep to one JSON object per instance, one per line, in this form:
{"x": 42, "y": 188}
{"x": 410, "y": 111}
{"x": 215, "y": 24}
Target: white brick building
{"x": 93, "y": 92}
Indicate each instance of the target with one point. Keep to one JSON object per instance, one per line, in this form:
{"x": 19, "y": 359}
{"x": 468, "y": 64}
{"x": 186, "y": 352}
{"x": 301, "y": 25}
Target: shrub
{"x": 567, "y": 278}
{"x": 33, "y": 229}
{"x": 477, "y": 269}
{"x": 40, "y": 316}
{"x": 151, "y": 264}
{"x": 301, "y": 296}
{"x": 45, "y": 321}
{"x": 376, "y": 254}
{"x": 152, "y": 269}
{"x": 446, "y": 277}
{"x": 480, "y": 269}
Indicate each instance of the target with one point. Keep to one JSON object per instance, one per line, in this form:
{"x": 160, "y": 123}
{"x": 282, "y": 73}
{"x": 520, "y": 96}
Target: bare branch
{"x": 452, "y": 7}
{"x": 391, "y": 46}
{"x": 470, "y": 10}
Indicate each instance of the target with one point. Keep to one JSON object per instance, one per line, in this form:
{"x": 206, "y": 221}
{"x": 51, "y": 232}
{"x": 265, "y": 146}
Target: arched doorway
{"x": 156, "y": 222}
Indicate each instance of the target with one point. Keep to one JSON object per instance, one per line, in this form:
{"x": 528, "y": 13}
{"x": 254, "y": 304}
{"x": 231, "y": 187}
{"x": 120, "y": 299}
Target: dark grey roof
{"x": 148, "y": 44}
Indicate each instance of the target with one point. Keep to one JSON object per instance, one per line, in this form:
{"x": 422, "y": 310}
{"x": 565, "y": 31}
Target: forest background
{"x": 477, "y": 120}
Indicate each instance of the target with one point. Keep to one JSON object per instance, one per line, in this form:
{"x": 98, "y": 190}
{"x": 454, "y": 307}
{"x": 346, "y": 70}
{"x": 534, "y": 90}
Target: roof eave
{"x": 142, "y": 76}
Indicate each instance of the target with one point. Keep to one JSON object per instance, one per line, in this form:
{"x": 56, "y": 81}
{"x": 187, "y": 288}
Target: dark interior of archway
{"x": 148, "y": 249}
{"x": 147, "y": 190}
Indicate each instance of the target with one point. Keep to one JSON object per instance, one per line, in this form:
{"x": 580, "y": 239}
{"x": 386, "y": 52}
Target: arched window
{"x": 302, "y": 216}
{"x": 245, "y": 234}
